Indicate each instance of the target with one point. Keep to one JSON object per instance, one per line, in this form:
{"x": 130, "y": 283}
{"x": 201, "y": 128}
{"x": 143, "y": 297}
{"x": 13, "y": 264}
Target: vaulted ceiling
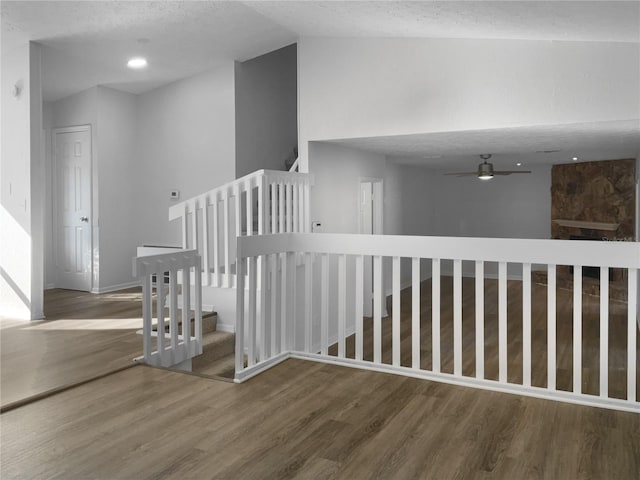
{"x": 87, "y": 43}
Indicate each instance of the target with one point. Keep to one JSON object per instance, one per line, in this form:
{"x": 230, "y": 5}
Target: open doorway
{"x": 370, "y": 217}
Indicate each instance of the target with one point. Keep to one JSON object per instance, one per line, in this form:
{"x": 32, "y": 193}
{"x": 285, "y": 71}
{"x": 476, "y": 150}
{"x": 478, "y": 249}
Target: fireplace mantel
{"x": 611, "y": 227}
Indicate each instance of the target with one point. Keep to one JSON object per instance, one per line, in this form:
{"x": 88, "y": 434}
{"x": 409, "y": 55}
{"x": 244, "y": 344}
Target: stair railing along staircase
{"x": 263, "y": 202}
{"x": 179, "y": 345}
{"x": 266, "y": 201}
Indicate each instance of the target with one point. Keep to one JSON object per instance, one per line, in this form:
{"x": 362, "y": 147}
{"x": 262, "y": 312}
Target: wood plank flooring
{"x": 564, "y": 333}
{"x": 308, "y": 420}
{"x": 85, "y": 335}
{"x": 301, "y": 419}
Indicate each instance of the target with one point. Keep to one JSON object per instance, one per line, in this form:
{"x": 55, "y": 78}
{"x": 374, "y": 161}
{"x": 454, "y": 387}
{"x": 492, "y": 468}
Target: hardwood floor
{"x": 309, "y": 420}
{"x": 85, "y": 335}
{"x": 564, "y": 333}
{"x": 302, "y": 419}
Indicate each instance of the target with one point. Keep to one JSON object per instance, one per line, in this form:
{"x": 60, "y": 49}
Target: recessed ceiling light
{"x": 574, "y": 159}
{"x": 137, "y": 63}
{"x": 519, "y": 164}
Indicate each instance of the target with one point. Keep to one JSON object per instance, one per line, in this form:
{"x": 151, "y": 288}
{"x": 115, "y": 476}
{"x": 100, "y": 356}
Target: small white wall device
{"x": 174, "y": 195}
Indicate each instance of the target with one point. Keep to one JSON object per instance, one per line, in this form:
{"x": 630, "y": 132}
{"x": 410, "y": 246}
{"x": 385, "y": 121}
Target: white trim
{"x": 493, "y": 385}
{"x": 226, "y": 327}
{"x": 114, "y": 288}
{"x": 258, "y": 368}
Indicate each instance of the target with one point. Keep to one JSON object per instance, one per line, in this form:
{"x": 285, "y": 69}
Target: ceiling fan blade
{"x": 463, "y": 174}
{"x": 509, "y": 172}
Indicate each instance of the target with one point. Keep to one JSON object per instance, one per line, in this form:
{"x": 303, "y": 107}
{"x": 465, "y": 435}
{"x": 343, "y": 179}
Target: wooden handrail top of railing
{"x": 229, "y": 188}
{"x": 158, "y": 264}
{"x": 554, "y": 252}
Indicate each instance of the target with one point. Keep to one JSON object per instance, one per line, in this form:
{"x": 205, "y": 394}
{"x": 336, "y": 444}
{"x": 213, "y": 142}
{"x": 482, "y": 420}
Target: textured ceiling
{"x": 526, "y": 20}
{"x": 88, "y": 42}
{"x": 461, "y": 150}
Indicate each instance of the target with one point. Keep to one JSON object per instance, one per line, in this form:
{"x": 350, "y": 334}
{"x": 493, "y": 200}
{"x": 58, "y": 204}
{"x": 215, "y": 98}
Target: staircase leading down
{"x": 260, "y": 203}
{"x": 263, "y": 202}
{"x": 218, "y": 357}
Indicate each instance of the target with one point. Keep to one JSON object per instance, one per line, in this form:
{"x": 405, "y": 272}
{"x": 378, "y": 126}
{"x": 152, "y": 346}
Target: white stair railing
{"x": 306, "y": 309}
{"x": 180, "y": 344}
{"x": 266, "y": 201}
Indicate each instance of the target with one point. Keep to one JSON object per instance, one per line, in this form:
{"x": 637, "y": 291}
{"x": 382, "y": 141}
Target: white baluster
{"x": 457, "y": 317}
{"x": 377, "y": 309}
{"x": 273, "y": 268}
{"x": 227, "y": 239}
{"x": 632, "y": 328}
{"x": 281, "y": 211}
{"x": 238, "y": 225}
{"x": 415, "y": 313}
{"x": 324, "y": 305}
{"x": 480, "y": 319}
{"x": 502, "y": 322}
{"x": 526, "y": 324}
{"x": 216, "y": 243}
{"x": 289, "y": 200}
{"x": 284, "y": 310}
{"x": 551, "y": 327}
{"x": 435, "y": 313}
{"x": 577, "y": 329}
{"x": 186, "y": 320}
{"x": 604, "y": 332}
{"x": 147, "y": 314}
{"x": 251, "y": 320}
{"x": 342, "y": 305}
{"x": 291, "y": 308}
{"x": 173, "y": 309}
{"x": 359, "y": 306}
{"x": 296, "y": 207}
{"x": 198, "y": 306}
{"x": 160, "y": 311}
{"x": 308, "y": 298}
{"x": 194, "y": 228}
{"x": 396, "y": 311}
{"x": 240, "y": 317}
{"x": 274, "y": 208}
{"x": 264, "y": 310}
{"x": 206, "y": 267}
{"x": 249, "y": 208}
{"x": 262, "y": 205}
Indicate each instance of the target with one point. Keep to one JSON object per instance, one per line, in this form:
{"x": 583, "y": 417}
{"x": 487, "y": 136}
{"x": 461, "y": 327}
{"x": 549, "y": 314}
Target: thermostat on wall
{"x": 174, "y": 195}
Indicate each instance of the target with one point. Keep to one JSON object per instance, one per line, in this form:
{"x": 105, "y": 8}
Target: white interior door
{"x": 72, "y": 208}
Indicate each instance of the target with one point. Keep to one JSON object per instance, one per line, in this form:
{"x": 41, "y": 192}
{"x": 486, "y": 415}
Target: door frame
{"x": 377, "y": 204}
{"x": 377, "y": 213}
{"x": 54, "y": 192}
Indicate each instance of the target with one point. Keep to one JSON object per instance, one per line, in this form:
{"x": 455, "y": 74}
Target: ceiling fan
{"x": 485, "y": 170}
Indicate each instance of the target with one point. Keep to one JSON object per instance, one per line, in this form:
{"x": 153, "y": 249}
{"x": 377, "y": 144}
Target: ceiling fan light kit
{"x": 486, "y": 171}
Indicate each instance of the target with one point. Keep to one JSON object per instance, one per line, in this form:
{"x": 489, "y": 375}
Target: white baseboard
{"x": 226, "y": 327}
{"x": 113, "y": 288}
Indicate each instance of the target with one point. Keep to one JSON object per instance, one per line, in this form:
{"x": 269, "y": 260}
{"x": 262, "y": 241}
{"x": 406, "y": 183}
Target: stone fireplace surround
{"x": 593, "y": 200}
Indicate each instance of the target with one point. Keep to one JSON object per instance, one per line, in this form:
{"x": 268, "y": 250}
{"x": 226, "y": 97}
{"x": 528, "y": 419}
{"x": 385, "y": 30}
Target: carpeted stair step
{"x": 215, "y": 345}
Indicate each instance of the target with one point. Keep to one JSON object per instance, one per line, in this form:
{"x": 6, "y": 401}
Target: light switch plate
{"x": 174, "y": 195}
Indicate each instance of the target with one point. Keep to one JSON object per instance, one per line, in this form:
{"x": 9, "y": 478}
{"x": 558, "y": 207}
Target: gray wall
{"x": 266, "y": 110}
